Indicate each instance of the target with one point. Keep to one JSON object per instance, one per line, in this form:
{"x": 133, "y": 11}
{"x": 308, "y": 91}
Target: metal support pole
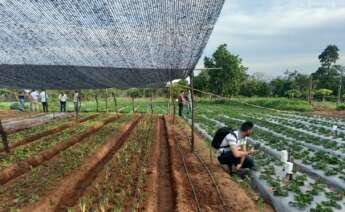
{"x": 4, "y": 138}
{"x": 170, "y": 97}
{"x": 45, "y": 95}
{"x": 193, "y": 106}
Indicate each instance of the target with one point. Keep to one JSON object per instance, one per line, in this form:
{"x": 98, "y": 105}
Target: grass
{"x": 281, "y": 104}
{"x": 123, "y": 104}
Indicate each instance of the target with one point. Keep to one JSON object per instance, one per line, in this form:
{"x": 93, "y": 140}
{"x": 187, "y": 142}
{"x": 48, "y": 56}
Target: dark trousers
{"x": 180, "y": 109}
{"x": 45, "y": 106}
{"x": 76, "y": 107}
{"x": 229, "y": 159}
{"x": 62, "y": 106}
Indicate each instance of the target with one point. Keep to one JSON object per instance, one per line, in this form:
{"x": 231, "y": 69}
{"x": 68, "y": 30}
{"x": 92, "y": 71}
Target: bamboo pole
{"x": 192, "y": 101}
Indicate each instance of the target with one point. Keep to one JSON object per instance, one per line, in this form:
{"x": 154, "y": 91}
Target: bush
{"x": 341, "y": 107}
{"x": 16, "y": 106}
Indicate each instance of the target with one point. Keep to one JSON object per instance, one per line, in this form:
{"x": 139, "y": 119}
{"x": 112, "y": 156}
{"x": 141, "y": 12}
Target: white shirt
{"x": 43, "y": 96}
{"x": 230, "y": 139}
{"x": 75, "y": 97}
{"x": 34, "y": 95}
{"x": 62, "y": 98}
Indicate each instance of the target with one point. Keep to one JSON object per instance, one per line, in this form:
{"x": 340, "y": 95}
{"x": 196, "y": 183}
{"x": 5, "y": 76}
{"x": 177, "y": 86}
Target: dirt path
{"x": 236, "y": 197}
{"x": 166, "y": 199}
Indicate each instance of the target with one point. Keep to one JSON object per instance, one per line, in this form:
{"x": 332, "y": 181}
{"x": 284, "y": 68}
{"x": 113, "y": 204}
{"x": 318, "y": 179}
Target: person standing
{"x": 180, "y": 100}
{"x": 44, "y": 100}
{"x": 21, "y": 99}
{"x": 63, "y": 99}
{"x": 34, "y": 95}
{"x": 76, "y": 100}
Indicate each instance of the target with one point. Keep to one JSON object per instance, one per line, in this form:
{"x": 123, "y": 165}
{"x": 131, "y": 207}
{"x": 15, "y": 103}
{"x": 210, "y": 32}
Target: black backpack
{"x": 220, "y": 135}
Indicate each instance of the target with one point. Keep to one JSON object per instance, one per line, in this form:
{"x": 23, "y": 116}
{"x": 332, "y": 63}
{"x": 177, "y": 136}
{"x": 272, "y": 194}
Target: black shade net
{"x": 102, "y": 43}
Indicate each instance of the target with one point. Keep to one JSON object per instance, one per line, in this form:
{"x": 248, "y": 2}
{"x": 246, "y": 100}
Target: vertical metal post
{"x": 191, "y": 77}
{"x": 170, "y": 97}
{"x": 45, "y": 95}
{"x": 4, "y": 138}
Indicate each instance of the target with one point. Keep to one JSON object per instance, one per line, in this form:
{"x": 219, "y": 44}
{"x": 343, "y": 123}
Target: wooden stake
{"x": 106, "y": 100}
{"x": 151, "y": 101}
{"x": 4, "y": 138}
{"x": 115, "y": 102}
{"x": 96, "y": 98}
{"x": 310, "y": 89}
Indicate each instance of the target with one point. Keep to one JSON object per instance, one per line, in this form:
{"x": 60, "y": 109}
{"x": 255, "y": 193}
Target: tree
{"x": 263, "y": 89}
{"x": 225, "y": 82}
{"x": 202, "y": 80}
{"x": 323, "y": 93}
{"x": 326, "y": 78}
{"x": 133, "y": 93}
{"x": 329, "y": 56}
{"x": 293, "y": 93}
{"x": 179, "y": 86}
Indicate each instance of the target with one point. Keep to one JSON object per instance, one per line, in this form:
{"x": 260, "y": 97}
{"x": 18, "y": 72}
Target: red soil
{"x": 55, "y": 130}
{"x": 24, "y": 166}
{"x": 72, "y": 186}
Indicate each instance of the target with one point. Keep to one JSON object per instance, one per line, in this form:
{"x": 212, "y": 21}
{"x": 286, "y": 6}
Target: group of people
{"x": 41, "y": 97}
{"x": 184, "y": 99}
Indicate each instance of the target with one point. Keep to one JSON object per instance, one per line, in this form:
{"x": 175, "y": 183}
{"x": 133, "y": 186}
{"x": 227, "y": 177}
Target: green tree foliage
{"x": 293, "y": 93}
{"x": 323, "y": 93}
{"x": 290, "y": 81}
{"x": 253, "y": 86}
{"x": 327, "y": 76}
{"x": 179, "y": 87}
{"x": 133, "y": 93}
{"x": 225, "y": 82}
{"x": 202, "y": 80}
{"x": 329, "y": 56}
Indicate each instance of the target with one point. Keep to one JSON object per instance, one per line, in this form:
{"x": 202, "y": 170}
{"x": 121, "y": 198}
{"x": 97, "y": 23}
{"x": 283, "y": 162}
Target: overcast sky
{"x": 274, "y": 35}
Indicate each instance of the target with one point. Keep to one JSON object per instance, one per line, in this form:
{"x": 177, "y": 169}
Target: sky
{"x": 272, "y": 36}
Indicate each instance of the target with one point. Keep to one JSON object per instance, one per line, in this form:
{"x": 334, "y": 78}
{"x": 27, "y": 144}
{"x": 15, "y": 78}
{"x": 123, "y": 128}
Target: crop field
{"x": 123, "y": 105}
{"x": 142, "y": 162}
{"x": 317, "y": 152}
{"x": 111, "y": 162}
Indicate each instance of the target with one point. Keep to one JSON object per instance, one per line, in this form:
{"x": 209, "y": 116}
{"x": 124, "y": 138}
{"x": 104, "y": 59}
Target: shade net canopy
{"x": 70, "y": 44}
